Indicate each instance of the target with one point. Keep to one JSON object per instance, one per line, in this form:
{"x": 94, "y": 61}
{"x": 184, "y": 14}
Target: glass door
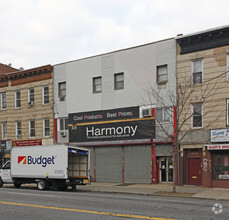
{"x": 170, "y": 169}
{"x": 166, "y": 169}
{"x": 163, "y": 168}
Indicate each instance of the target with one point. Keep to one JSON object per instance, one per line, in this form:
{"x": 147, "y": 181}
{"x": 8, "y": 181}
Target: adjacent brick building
{"x": 202, "y": 67}
{"x": 26, "y": 110}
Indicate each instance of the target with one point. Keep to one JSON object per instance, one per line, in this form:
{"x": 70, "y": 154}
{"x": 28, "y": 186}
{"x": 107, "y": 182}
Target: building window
{"x": 220, "y": 162}
{"x": 18, "y": 129}
{"x": 46, "y": 127}
{"x": 62, "y": 91}
{"x": 163, "y": 115}
{"x": 119, "y": 81}
{"x": 97, "y": 84}
{"x": 162, "y": 74}
{"x": 17, "y": 99}
{"x": 4, "y": 130}
{"x": 63, "y": 124}
{"x": 45, "y": 95}
{"x": 3, "y": 100}
{"x": 31, "y": 96}
{"x": 227, "y": 67}
{"x": 197, "y": 71}
{"x": 197, "y": 119}
{"x": 227, "y": 111}
{"x": 31, "y": 128}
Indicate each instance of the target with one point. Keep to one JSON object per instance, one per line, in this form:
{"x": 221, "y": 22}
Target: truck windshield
{"x": 6, "y": 166}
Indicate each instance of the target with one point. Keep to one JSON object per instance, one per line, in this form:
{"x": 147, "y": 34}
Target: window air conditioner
{"x": 31, "y": 103}
{"x": 19, "y": 136}
{"x": 62, "y": 98}
{"x": 146, "y": 112}
{"x": 63, "y": 133}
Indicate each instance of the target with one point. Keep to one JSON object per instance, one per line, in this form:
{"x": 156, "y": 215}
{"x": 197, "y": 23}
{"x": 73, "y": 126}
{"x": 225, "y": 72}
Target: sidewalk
{"x": 164, "y": 189}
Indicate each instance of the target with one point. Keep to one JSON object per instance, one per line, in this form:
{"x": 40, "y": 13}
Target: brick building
{"x": 26, "y": 110}
{"x": 6, "y": 69}
{"x": 203, "y": 60}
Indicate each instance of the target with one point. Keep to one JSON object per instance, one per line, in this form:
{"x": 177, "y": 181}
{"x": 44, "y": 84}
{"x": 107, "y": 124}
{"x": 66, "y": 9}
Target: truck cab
{"x": 5, "y": 176}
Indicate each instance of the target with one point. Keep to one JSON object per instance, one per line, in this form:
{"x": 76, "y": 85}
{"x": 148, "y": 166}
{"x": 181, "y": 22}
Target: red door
{"x": 194, "y": 171}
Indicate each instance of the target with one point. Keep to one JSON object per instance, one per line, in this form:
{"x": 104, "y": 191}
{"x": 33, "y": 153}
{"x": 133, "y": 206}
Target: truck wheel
{"x": 17, "y": 185}
{"x": 42, "y": 185}
{"x": 1, "y": 182}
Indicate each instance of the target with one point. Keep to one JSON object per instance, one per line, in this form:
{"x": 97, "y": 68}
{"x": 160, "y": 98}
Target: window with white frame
{"x": 197, "y": 115}
{"x": 18, "y": 99}
{"x": 118, "y": 81}
{"x": 97, "y": 84}
{"x": 31, "y": 96}
{"x": 3, "y": 100}
{"x": 63, "y": 124}
{"x": 197, "y": 71}
{"x": 62, "y": 91}
{"x": 162, "y": 74}
{"x": 32, "y": 128}
{"x": 227, "y": 67}
{"x": 4, "y": 130}
{"x": 45, "y": 95}
{"x": 18, "y": 129}
{"x": 227, "y": 111}
{"x": 46, "y": 127}
{"x": 163, "y": 115}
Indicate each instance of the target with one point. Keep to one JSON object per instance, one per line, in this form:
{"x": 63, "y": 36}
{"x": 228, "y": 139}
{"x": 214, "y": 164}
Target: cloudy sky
{"x": 39, "y": 32}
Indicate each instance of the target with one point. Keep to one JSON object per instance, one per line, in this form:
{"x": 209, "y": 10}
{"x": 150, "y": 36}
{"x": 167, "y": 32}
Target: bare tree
{"x": 178, "y": 106}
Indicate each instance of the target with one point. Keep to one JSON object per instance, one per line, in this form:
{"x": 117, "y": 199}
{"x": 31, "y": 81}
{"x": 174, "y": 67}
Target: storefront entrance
{"x": 165, "y": 169}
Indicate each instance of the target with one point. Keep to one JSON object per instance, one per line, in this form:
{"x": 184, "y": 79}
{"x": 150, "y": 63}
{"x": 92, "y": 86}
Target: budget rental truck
{"x": 58, "y": 166}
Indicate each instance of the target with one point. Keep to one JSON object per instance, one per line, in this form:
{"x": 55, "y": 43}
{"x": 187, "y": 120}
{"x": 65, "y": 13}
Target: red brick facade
{"x": 6, "y": 69}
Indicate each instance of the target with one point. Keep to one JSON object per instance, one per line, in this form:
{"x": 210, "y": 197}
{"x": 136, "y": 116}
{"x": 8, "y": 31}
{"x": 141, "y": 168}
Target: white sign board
{"x": 224, "y": 177}
{"x": 220, "y": 135}
{"x": 218, "y": 147}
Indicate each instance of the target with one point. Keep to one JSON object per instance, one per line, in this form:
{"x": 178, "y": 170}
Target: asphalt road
{"x": 29, "y": 203}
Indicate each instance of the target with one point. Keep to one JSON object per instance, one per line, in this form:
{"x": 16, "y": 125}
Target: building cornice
{"x": 18, "y": 75}
{"x": 204, "y": 40}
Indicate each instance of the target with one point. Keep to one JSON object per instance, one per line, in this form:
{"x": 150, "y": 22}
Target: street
{"x": 29, "y": 203}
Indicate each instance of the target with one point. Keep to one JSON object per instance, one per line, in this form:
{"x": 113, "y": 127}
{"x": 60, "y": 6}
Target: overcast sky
{"x": 38, "y": 32}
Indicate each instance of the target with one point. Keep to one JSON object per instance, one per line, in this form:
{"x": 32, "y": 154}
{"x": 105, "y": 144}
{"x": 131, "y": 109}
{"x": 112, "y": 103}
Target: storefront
{"x": 218, "y": 155}
{"x": 121, "y": 146}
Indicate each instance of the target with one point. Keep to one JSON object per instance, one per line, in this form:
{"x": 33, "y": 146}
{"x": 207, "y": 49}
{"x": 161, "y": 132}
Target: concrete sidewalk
{"x": 158, "y": 189}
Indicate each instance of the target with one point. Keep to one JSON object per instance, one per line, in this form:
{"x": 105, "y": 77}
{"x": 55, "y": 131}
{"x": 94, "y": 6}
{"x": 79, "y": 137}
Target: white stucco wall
{"x": 139, "y": 67}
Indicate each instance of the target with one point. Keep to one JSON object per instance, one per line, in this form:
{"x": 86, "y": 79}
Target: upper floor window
{"x": 227, "y": 111}
{"x": 46, "y": 127}
{"x": 163, "y": 115}
{"x": 197, "y": 112}
{"x": 31, "y": 96}
{"x": 3, "y": 100}
{"x": 4, "y": 130}
{"x": 63, "y": 124}
{"x": 227, "y": 67}
{"x": 45, "y": 95}
{"x": 119, "y": 81}
{"x": 17, "y": 99}
{"x": 31, "y": 128}
{"x": 62, "y": 91}
{"x": 197, "y": 71}
{"x": 162, "y": 74}
{"x": 18, "y": 129}
{"x": 97, "y": 84}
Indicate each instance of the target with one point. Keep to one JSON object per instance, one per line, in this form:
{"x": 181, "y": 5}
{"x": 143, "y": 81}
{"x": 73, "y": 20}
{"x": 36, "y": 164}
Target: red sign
{"x": 218, "y": 147}
{"x": 26, "y": 143}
